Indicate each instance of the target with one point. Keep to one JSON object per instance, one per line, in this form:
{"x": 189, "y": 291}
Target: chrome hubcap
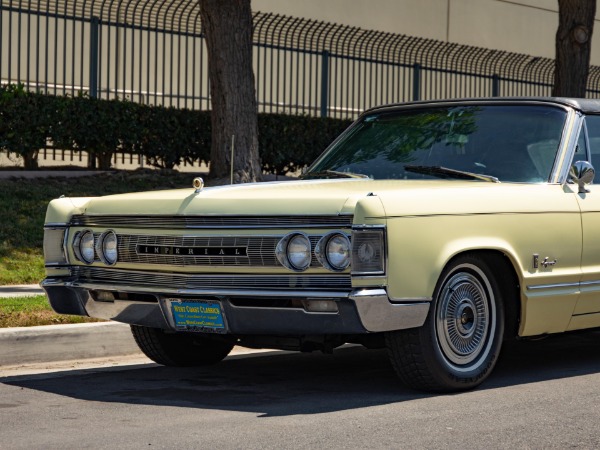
{"x": 463, "y": 318}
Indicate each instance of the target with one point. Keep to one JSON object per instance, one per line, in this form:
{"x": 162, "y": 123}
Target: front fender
{"x": 419, "y": 247}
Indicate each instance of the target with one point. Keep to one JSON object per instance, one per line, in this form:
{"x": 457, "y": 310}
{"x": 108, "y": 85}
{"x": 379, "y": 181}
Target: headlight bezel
{"x": 101, "y": 250}
{"x": 282, "y": 251}
{"x": 323, "y": 251}
{"x": 77, "y": 246}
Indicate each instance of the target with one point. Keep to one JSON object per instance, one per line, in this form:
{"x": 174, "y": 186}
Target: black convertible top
{"x": 585, "y": 105}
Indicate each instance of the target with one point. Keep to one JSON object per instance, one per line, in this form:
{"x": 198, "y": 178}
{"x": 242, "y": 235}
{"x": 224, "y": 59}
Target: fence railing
{"x": 154, "y": 53}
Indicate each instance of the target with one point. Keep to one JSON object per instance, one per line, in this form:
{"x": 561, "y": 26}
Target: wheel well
{"x": 508, "y": 282}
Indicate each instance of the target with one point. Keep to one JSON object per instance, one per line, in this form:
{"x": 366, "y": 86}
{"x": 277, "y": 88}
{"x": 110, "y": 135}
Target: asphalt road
{"x": 543, "y": 394}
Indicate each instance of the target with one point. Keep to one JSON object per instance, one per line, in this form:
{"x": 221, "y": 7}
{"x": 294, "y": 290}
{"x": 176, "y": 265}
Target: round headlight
{"x": 294, "y": 251}
{"x": 84, "y": 246}
{"x": 107, "y": 247}
{"x": 333, "y": 251}
{"x": 338, "y": 251}
{"x": 298, "y": 252}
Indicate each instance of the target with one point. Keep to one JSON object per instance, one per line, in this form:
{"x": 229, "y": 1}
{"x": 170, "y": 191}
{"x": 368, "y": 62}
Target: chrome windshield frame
{"x": 564, "y": 155}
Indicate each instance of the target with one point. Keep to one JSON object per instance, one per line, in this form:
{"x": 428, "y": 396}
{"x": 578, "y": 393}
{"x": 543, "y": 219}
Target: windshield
{"x": 502, "y": 142}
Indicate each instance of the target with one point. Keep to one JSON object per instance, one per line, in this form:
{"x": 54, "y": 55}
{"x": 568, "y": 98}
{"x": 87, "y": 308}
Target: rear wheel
{"x": 179, "y": 349}
{"x": 458, "y": 346}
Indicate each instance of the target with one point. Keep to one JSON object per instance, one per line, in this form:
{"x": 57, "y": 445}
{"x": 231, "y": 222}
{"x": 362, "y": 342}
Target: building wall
{"x": 520, "y": 26}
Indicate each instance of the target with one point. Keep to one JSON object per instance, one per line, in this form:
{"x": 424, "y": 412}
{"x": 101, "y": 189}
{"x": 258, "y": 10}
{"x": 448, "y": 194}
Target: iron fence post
{"x": 495, "y": 85}
{"x": 324, "y": 82}
{"x": 94, "y": 26}
{"x": 416, "y": 82}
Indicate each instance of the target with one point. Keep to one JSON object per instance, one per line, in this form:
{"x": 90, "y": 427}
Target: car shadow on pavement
{"x": 289, "y": 384}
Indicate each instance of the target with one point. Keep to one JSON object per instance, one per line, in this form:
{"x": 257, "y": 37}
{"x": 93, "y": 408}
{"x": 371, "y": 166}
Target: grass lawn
{"x": 32, "y": 311}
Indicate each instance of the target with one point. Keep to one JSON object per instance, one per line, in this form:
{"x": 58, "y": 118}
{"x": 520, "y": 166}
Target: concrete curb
{"x": 51, "y": 343}
{"x": 20, "y": 290}
{"x": 31, "y": 174}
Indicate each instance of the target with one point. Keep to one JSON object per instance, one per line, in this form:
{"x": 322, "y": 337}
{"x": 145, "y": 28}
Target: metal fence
{"x": 153, "y": 52}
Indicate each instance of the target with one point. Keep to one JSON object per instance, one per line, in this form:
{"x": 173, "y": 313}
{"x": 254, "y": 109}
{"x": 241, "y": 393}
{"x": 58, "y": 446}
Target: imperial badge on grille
{"x": 190, "y": 251}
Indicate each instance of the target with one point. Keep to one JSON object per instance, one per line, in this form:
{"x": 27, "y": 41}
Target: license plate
{"x": 197, "y": 315}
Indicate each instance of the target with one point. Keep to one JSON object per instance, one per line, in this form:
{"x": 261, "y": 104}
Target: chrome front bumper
{"x": 359, "y": 311}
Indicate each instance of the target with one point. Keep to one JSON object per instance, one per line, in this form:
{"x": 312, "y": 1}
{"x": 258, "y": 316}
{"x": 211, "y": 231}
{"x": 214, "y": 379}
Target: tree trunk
{"x": 573, "y": 45}
{"x": 227, "y": 26}
{"x": 30, "y": 160}
{"x": 91, "y": 160}
{"x": 104, "y": 160}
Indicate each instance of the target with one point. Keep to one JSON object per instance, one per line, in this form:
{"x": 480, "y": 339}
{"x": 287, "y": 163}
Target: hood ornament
{"x": 198, "y": 184}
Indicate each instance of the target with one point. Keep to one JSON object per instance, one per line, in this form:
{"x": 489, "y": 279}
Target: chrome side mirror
{"x": 582, "y": 173}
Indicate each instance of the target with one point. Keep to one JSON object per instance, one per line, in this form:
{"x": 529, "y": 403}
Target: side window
{"x": 593, "y": 131}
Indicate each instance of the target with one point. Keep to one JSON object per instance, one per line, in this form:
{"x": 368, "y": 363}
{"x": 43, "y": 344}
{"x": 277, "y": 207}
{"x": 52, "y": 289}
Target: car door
{"x": 587, "y": 309}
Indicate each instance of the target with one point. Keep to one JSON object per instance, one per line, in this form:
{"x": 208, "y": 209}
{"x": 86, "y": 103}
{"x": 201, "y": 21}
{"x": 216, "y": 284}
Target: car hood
{"x": 398, "y": 197}
{"x": 272, "y": 198}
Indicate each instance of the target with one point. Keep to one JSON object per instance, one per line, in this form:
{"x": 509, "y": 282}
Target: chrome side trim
{"x": 410, "y": 300}
{"x": 553, "y": 286}
{"x": 582, "y": 284}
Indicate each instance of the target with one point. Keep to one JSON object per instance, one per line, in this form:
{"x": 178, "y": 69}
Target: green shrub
{"x": 170, "y": 136}
{"x": 166, "y": 137}
{"x": 26, "y": 121}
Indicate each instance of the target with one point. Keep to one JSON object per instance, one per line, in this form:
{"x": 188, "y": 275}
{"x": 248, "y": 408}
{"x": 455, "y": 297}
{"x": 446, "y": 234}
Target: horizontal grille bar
{"x": 329, "y": 282}
{"x": 215, "y": 222}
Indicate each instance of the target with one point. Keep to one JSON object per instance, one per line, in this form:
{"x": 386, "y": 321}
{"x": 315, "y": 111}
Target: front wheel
{"x": 458, "y": 346}
{"x": 180, "y": 349}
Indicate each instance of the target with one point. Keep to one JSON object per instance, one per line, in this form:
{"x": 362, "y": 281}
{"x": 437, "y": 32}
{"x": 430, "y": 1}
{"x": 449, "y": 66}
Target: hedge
{"x": 164, "y": 136}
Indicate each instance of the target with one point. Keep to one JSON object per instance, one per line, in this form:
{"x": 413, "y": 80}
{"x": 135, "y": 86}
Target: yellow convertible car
{"x": 435, "y": 229}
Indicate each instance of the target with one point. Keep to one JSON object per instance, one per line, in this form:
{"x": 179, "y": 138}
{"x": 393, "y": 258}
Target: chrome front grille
{"x": 113, "y": 277}
{"x": 260, "y": 250}
{"x": 232, "y": 250}
{"x": 215, "y": 222}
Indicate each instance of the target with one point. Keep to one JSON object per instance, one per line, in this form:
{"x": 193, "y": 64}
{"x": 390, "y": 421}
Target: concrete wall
{"x": 521, "y": 26}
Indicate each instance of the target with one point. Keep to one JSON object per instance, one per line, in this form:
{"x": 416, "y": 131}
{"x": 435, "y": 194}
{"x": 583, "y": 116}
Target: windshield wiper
{"x": 444, "y": 172}
{"x": 334, "y": 174}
